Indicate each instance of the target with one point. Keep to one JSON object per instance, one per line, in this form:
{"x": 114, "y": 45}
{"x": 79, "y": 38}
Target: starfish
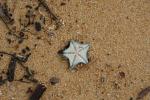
{"x": 76, "y": 53}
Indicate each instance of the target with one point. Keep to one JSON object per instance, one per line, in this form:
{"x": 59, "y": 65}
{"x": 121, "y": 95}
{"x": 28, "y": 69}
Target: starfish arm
{"x": 78, "y": 60}
{"x": 83, "y": 55}
{"x": 83, "y": 46}
{"x": 71, "y": 58}
{"x": 75, "y": 44}
{"x": 70, "y": 49}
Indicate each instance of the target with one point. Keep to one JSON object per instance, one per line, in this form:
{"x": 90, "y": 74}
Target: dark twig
{"x": 143, "y": 93}
{"x": 40, "y": 89}
{"x": 11, "y": 69}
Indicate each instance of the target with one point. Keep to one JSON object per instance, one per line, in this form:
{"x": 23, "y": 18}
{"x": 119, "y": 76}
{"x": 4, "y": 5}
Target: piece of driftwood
{"x": 37, "y": 94}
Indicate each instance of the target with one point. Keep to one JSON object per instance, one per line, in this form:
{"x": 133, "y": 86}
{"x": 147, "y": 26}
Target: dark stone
{"x": 54, "y": 80}
{"x": 27, "y": 48}
{"x": 29, "y": 90}
{"x": 38, "y": 26}
{"x": 122, "y": 74}
{"x": 23, "y": 51}
{"x": 62, "y": 4}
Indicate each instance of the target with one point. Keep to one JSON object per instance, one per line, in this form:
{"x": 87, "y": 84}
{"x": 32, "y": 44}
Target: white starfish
{"x": 76, "y": 53}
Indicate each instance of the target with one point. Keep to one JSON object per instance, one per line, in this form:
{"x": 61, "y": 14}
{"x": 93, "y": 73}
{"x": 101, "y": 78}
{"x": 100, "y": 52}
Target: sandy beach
{"x": 118, "y": 32}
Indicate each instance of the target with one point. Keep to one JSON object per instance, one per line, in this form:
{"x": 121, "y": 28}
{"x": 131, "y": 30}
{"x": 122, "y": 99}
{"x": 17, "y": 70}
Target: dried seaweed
{"x": 50, "y": 13}
{"x": 7, "y": 19}
{"x": 19, "y": 35}
{"x": 5, "y": 15}
{"x": 29, "y": 75}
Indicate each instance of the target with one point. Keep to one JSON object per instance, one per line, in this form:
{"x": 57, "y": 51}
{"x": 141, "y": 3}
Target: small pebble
{"x": 62, "y": 4}
{"x": 122, "y": 74}
{"x": 23, "y": 51}
{"x": 1, "y": 55}
{"x": 27, "y": 48}
{"x": 54, "y": 80}
{"x": 21, "y": 34}
{"x": 29, "y": 90}
{"x": 102, "y": 79}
